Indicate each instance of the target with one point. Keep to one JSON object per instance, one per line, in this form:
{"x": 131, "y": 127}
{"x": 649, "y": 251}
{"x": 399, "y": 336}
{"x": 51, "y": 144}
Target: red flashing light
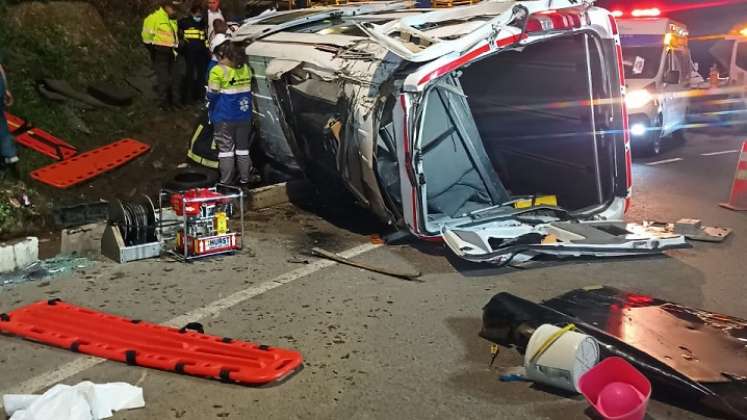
{"x": 651, "y": 12}
{"x": 617, "y": 13}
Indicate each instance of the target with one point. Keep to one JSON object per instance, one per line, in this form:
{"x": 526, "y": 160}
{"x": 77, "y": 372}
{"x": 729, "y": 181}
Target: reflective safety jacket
{"x": 229, "y": 94}
{"x": 193, "y": 33}
{"x": 159, "y": 29}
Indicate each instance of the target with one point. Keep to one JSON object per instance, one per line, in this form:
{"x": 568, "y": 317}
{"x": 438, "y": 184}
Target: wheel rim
{"x": 656, "y": 147}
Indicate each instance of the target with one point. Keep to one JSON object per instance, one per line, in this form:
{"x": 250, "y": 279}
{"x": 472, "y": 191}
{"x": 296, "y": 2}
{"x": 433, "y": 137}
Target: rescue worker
{"x": 218, "y": 41}
{"x": 193, "y": 33}
{"x": 214, "y": 13}
{"x": 7, "y": 143}
{"x": 219, "y": 27}
{"x": 230, "y": 111}
{"x": 161, "y": 38}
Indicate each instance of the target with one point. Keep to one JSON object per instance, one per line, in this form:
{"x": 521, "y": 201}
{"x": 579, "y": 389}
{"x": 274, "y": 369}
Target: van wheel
{"x": 653, "y": 146}
{"x": 679, "y": 136}
{"x": 191, "y": 177}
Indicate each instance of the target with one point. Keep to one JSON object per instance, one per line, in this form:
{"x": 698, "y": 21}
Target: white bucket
{"x": 564, "y": 362}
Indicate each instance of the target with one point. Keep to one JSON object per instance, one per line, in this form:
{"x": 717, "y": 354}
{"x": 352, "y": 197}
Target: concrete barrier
{"x": 82, "y": 240}
{"x": 18, "y": 254}
{"x": 278, "y": 194}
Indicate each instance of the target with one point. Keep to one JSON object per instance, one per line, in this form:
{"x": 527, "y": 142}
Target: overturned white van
{"x": 439, "y": 121}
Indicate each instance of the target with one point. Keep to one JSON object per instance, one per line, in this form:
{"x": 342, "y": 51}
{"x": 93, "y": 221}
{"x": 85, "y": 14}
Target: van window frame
{"x": 593, "y": 38}
{"x": 741, "y": 62}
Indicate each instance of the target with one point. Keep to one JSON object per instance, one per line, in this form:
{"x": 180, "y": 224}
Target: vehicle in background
{"x": 453, "y": 123}
{"x": 723, "y": 98}
{"x": 658, "y": 75}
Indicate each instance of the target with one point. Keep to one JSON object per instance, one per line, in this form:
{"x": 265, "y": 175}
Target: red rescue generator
{"x": 205, "y": 214}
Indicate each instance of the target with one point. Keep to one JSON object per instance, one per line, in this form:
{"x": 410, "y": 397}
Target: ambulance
{"x": 725, "y": 96}
{"x": 658, "y": 74}
{"x": 488, "y": 126}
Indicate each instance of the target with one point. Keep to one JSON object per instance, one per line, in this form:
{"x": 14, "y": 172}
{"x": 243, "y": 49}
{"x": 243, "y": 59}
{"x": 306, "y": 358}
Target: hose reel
{"x": 136, "y": 220}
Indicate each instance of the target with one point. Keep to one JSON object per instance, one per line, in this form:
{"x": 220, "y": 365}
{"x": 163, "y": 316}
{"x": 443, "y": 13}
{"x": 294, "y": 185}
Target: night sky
{"x": 704, "y": 18}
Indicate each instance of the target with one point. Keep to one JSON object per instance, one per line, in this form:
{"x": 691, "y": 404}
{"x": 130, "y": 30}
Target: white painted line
{"x": 83, "y": 363}
{"x": 720, "y": 153}
{"x": 661, "y": 162}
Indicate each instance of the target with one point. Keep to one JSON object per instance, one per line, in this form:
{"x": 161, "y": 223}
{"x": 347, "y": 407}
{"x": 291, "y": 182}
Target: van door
{"x": 680, "y": 100}
{"x": 668, "y": 94}
{"x": 738, "y": 71}
{"x": 444, "y": 169}
{"x": 738, "y": 77}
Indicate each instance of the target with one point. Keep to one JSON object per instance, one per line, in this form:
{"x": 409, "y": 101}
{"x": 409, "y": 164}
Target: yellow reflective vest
{"x": 230, "y": 94}
{"x": 159, "y": 29}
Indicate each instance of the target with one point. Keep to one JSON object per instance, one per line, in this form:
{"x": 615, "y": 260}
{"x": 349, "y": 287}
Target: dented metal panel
{"x": 501, "y": 241}
{"x": 309, "y": 58}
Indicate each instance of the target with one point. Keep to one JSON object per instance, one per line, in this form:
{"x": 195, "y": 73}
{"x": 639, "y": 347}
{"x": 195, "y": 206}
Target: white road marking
{"x": 720, "y": 153}
{"x": 661, "y": 162}
{"x": 83, "y": 363}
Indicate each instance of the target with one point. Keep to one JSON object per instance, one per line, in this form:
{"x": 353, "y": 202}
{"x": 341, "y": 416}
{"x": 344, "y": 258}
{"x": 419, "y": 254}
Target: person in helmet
{"x": 230, "y": 111}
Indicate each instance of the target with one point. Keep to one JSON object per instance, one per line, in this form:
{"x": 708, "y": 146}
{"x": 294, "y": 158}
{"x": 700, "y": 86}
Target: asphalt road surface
{"x": 377, "y": 347}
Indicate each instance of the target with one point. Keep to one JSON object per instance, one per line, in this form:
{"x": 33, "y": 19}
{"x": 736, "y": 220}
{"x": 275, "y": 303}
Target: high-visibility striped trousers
{"x": 233, "y": 140}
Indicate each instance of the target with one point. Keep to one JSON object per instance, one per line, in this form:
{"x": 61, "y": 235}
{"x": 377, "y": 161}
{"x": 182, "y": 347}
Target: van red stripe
{"x": 449, "y": 67}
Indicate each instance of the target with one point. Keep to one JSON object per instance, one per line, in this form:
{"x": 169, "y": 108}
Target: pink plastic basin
{"x": 616, "y": 389}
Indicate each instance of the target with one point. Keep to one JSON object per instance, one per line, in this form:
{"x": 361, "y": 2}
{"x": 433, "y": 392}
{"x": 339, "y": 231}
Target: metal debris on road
{"x": 298, "y": 260}
{"x": 692, "y": 229}
{"x": 412, "y": 276}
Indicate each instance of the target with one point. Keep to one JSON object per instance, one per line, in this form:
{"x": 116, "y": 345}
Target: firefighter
{"x": 7, "y": 143}
{"x": 193, "y": 33}
{"x": 230, "y": 111}
{"x": 161, "y": 38}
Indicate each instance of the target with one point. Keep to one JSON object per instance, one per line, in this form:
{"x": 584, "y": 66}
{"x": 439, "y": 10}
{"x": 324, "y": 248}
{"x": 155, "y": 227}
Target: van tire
{"x": 679, "y": 136}
{"x": 191, "y": 177}
{"x": 652, "y": 146}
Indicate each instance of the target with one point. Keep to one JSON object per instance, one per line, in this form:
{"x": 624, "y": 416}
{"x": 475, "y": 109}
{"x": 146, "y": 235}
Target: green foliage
{"x": 15, "y": 219}
{"x": 6, "y": 212}
{"x": 47, "y": 52}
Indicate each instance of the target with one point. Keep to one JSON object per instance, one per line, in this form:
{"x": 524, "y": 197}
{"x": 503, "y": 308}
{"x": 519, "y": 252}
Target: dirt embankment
{"x": 86, "y": 42}
{"x": 77, "y": 23}
{"x": 73, "y": 41}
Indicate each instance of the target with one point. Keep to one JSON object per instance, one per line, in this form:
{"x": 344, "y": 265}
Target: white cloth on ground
{"x": 84, "y": 401}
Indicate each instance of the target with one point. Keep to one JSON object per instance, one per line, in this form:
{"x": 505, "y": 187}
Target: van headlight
{"x": 638, "y": 98}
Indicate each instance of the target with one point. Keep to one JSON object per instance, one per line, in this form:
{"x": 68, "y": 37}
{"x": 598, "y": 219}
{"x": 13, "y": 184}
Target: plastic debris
{"x": 84, "y": 401}
{"x": 616, "y": 390}
{"x": 560, "y": 356}
{"x": 695, "y": 355}
{"x": 513, "y": 374}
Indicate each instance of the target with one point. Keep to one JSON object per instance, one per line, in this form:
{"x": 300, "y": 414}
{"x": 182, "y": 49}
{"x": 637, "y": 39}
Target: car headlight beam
{"x": 638, "y": 99}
